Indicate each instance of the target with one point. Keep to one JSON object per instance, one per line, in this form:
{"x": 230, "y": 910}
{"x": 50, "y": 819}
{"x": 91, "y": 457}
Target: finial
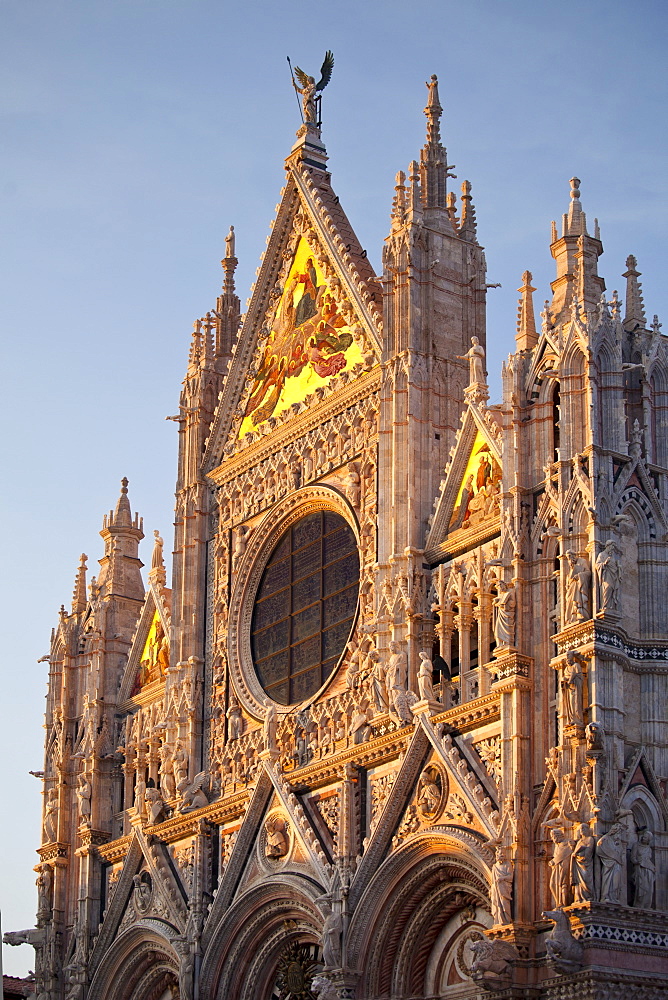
{"x": 414, "y": 197}
{"x": 122, "y": 515}
{"x": 310, "y": 90}
{"x": 451, "y": 206}
{"x": 553, "y": 234}
{"x": 575, "y": 187}
{"x": 399, "y": 202}
{"x": 468, "y": 229}
{"x": 79, "y": 594}
{"x": 575, "y": 222}
{"x": 230, "y": 243}
{"x": 614, "y": 303}
{"x": 157, "y": 572}
{"x": 526, "y": 336}
{"x": 434, "y": 167}
{"x": 545, "y": 316}
{"x": 433, "y": 111}
{"x": 656, "y": 326}
{"x": 634, "y": 318}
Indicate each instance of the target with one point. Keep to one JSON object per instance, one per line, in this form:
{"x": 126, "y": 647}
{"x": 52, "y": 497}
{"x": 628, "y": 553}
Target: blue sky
{"x": 135, "y": 132}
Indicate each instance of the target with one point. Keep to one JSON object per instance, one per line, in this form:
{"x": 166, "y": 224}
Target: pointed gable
{"x": 313, "y": 320}
{"x": 467, "y": 510}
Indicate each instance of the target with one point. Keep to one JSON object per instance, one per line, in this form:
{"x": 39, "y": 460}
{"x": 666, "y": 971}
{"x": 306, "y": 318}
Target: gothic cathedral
{"x": 398, "y": 727}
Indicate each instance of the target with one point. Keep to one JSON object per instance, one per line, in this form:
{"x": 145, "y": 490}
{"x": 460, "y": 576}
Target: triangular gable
{"x": 154, "y": 858}
{"x": 149, "y": 653}
{"x": 313, "y": 315}
{"x": 467, "y": 510}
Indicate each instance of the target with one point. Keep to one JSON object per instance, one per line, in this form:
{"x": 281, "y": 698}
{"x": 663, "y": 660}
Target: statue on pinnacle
{"x": 309, "y": 89}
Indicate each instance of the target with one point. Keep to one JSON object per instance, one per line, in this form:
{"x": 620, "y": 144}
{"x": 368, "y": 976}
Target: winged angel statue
{"x": 309, "y": 88}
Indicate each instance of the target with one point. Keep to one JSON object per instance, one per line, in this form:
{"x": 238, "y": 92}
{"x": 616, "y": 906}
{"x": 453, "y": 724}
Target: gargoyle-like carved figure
{"x": 309, "y": 88}
{"x": 491, "y": 962}
{"x": 564, "y": 953}
{"x": 192, "y": 795}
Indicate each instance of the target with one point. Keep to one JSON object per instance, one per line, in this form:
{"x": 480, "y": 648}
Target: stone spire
{"x": 228, "y": 307}
{"x": 434, "y": 169}
{"x": 526, "y": 336}
{"x": 634, "y": 317}
{"x": 468, "y": 229}
{"x": 576, "y": 254}
{"x": 79, "y": 599}
{"x": 120, "y": 566}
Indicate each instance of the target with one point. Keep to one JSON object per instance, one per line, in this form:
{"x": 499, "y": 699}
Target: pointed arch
{"x": 141, "y": 964}
{"x": 244, "y": 950}
{"x": 396, "y": 935}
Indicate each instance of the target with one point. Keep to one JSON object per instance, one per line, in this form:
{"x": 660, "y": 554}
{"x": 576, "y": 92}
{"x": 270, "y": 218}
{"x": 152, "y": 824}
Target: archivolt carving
{"x": 246, "y": 928}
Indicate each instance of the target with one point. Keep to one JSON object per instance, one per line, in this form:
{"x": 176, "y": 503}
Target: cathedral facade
{"x": 463, "y": 794}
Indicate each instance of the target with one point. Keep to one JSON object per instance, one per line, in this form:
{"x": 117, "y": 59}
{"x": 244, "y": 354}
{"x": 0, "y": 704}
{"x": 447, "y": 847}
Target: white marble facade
{"x": 454, "y": 782}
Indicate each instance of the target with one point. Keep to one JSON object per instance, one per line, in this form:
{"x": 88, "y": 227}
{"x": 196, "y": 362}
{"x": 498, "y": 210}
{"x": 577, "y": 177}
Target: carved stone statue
{"x": 180, "y": 764}
{"x": 167, "y": 779}
{"x": 309, "y": 88}
{"x": 502, "y": 888}
{"x": 155, "y": 805}
{"x": 572, "y": 683}
{"x": 379, "y": 685}
{"x": 578, "y": 588}
{"x": 230, "y": 243}
{"x": 277, "y": 843}
{"x": 609, "y": 572}
{"x": 192, "y": 794}
{"x": 476, "y": 359}
{"x": 644, "y": 871}
{"x": 582, "y": 865}
{"x": 157, "y": 561}
{"x": 331, "y": 938}
{"x": 564, "y": 952}
{"x": 51, "y": 816}
{"x": 504, "y": 622}
{"x": 491, "y": 961}
{"x": 323, "y": 988}
{"x": 270, "y": 725}
{"x": 395, "y": 682}
{"x": 84, "y": 792}
{"x": 235, "y": 719}
{"x": 611, "y": 853}
{"x": 560, "y": 863}
{"x": 425, "y": 677}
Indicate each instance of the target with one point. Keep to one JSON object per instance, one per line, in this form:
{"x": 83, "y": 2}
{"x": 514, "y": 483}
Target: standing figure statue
{"x": 379, "y": 687}
{"x": 51, "y": 816}
{"x": 270, "y": 725}
{"x": 83, "y": 798}
{"x": 309, "y": 88}
{"x": 395, "y": 682}
{"x": 572, "y": 684}
{"x": 582, "y": 865}
{"x": 611, "y": 853}
{"x": 609, "y": 571}
{"x": 426, "y": 677}
{"x": 230, "y": 240}
{"x": 560, "y": 863}
{"x": 578, "y": 588}
{"x": 504, "y": 622}
{"x": 502, "y": 888}
{"x": 476, "y": 359}
{"x": 644, "y": 871}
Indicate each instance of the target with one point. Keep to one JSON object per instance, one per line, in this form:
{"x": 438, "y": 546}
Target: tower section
{"x": 433, "y": 317}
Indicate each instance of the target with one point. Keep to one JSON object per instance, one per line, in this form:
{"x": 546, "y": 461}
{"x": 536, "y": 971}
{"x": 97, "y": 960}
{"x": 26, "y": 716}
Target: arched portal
{"x": 269, "y": 933}
{"x": 412, "y": 929}
{"x": 140, "y": 965}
